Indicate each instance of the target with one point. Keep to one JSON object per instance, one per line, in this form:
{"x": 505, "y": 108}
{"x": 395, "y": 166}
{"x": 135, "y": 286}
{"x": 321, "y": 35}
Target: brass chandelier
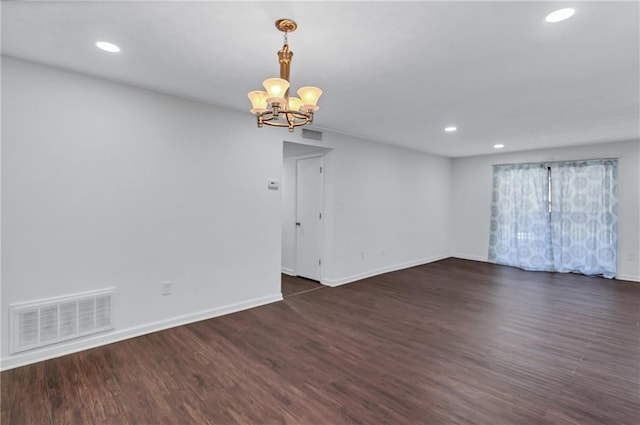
{"x": 274, "y": 106}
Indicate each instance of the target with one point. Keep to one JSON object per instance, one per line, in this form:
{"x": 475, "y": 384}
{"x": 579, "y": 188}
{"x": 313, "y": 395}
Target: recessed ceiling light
{"x": 107, "y": 47}
{"x": 560, "y": 15}
{"x": 498, "y": 146}
{"x": 450, "y": 129}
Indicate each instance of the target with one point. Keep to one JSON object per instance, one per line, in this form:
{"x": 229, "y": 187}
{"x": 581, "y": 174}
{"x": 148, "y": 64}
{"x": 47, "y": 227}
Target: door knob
{"x": 297, "y": 223}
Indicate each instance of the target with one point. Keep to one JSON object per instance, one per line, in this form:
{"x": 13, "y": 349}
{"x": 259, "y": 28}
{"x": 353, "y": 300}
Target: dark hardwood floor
{"x": 293, "y": 285}
{"x": 452, "y": 342}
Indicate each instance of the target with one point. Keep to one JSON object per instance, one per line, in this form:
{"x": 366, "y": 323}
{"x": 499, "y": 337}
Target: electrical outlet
{"x": 362, "y": 255}
{"x": 631, "y": 256}
{"x": 166, "y": 287}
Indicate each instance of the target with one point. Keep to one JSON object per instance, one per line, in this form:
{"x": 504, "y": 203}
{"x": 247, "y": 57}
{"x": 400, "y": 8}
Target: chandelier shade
{"x": 309, "y": 95}
{"x": 258, "y": 100}
{"x": 277, "y": 89}
{"x": 274, "y": 106}
{"x": 295, "y": 103}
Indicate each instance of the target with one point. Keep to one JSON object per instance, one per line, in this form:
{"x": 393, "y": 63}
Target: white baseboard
{"x": 288, "y": 271}
{"x": 484, "y": 259}
{"x": 110, "y": 337}
{"x": 393, "y": 268}
{"x": 628, "y": 277}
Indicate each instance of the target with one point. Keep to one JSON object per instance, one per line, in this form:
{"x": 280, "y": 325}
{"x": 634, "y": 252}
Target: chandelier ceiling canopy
{"x": 273, "y": 106}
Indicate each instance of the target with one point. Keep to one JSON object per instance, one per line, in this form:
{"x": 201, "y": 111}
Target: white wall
{"x": 471, "y": 202}
{"x": 109, "y": 185}
{"x": 105, "y": 184}
{"x": 386, "y": 208}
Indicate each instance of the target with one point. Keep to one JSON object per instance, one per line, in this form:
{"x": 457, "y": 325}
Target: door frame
{"x": 320, "y": 241}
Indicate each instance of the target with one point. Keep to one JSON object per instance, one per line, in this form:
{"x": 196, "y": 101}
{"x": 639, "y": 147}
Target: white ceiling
{"x": 396, "y": 72}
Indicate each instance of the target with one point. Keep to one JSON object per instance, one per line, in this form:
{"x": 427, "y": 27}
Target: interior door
{"x": 308, "y": 216}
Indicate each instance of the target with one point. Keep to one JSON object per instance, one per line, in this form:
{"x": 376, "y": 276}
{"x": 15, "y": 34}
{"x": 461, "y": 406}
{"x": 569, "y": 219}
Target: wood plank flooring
{"x": 293, "y": 285}
{"x": 451, "y": 342}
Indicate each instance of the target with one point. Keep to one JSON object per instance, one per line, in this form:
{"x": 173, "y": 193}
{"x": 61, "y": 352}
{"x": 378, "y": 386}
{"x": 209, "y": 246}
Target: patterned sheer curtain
{"x": 520, "y": 229}
{"x": 556, "y": 217}
{"x": 584, "y": 220}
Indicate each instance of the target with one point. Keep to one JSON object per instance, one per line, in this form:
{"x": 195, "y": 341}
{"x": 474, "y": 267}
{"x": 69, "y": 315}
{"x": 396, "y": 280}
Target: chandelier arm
{"x": 269, "y": 115}
{"x": 294, "y": 119}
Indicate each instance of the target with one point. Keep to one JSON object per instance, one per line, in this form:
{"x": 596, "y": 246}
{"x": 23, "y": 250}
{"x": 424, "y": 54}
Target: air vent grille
{"x": 44, "y": 322}
{"x": 311, "y": 134}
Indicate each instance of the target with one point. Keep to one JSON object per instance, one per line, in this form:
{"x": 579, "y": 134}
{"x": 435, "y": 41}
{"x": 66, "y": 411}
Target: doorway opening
{"x": 302, "y": 212}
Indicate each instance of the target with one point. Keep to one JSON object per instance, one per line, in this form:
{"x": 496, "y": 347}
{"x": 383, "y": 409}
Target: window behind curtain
{"x": 520, "y": 229}
{"x": 556, "y": 217}
{"x": 584, "y": 216}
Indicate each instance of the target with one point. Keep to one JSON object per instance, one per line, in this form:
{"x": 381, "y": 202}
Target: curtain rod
{"x": 556, "y": 162}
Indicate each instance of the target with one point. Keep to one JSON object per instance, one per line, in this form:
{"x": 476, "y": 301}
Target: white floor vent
{"x": 44, "y": 322}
